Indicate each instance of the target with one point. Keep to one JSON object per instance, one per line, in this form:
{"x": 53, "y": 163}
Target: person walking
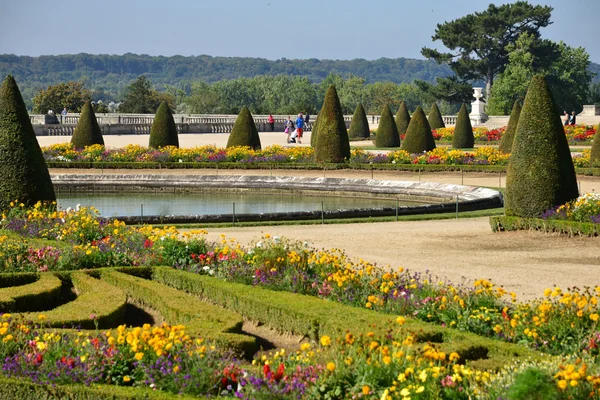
{"x": 271, "y": 122}
{"x": 567, "y": 118}
{"x": 289, "y": 127}
{"x": 573, "y": 118}
{"x": 299, "y": 127}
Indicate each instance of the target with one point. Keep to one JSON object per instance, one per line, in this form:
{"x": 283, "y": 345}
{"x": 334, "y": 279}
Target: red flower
{"x": 279, "y": 373}
{"x": 148, "y": 243}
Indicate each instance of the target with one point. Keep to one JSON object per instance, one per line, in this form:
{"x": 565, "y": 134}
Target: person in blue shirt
{"x": 299, "y": 127}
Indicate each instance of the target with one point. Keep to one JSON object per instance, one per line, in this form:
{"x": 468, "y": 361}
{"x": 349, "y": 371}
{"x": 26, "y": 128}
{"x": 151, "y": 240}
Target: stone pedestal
{"x": 477, "y": 116}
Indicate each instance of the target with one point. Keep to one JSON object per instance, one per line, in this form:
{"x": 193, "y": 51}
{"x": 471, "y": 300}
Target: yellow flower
{"x": 176, "y": 369}
{"x": 126, "y": 378}
{"x": 400, "y": 320}
{"x": 331, "y": 366}
{"x": 562, "y": 384}
{"x": 325, "y": 341}
{"x": 366, "y": 390}
{"x": 139, "y": 356}
{"x": 41, "y": 317}
{"x": 594, "y": 317}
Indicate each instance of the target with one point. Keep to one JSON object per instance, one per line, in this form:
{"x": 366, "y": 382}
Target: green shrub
{"x": 313, "y": 134}
{"x": 402, "y": 119}
{"x": 332, "y": 143}
{"x": 244, "y": 132}
{"x": 463, "y": 131}
{"x": 164, "y": 131}
{"x": 87, "y": 132}
{"x": 595, "y": 153}
{"x": 387, "y": 132}
{"x": 87, "y": 311}
{"x": 570, "y": 228}
{"x": 533, "y": 384}
{"x": 418, "y": 134}
{"x": 42, "y": 294}
{"x": 540, "y": 173}
{"x": 509, "y": 134}
{"x": 359, "y": 127}
{"x": 435, "y": 118}
{"x": 177, "y": 307}
{"x": 24, "y": 175}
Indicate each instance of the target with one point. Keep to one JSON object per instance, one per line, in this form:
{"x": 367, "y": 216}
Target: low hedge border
{"x": 42, "y": 294}
{"x": 570, "y": 228}
{"x": 200, "y": 318}
{"x": 22, "y": 389}
{"x": 94, "y": 298}
{"x": 588, "y": 171}
{"x": 17, "y": 279}
{"x": 315, "y": 317}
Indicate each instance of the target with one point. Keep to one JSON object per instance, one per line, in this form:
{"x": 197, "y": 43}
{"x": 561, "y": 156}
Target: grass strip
{"x": 40, "y": 294}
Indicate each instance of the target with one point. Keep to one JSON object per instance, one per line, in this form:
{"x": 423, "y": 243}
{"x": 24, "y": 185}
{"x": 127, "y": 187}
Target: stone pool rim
{"x": 470, "y": 198}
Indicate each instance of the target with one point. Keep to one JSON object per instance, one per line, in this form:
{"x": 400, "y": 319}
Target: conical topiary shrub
{"x": 463, "y": 131}
{"x": 595, "y": 153}
{"x": 332, "y": 137}
{"x": 164, "y": 131}
{"x": 87, "y": 132}
{"x": 509, "y": 134}
{"x": 540, "y": 173}
{"x": 418, "y": 134}
{"x": 387, "y": 132}
{"x": 359, "y": 127}
{"x": 24, "y": 175}
{"x": 313, "y": 133}
{"x": 402, "y": 119}
{"x": 435, "y": 118}
{"x": 244, "y": 132}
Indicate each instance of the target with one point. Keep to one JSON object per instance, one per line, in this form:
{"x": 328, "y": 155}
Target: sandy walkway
{"x": 524, "y": 262}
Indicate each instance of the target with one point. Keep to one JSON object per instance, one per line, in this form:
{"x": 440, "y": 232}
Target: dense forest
{"x": 112, "y": 73}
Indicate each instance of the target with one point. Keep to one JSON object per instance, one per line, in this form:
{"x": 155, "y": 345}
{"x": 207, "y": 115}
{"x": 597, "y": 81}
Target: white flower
{"x": 276, "y": 239}
{"x": 77, "y": 207}
{"x": 259, "y": 244}
{"x": 180, "y": 160}
{"x": 393, "y": 161}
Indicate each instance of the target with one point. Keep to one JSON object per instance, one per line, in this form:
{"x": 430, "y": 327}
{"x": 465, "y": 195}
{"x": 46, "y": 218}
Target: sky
{"x": 271, "y": 29}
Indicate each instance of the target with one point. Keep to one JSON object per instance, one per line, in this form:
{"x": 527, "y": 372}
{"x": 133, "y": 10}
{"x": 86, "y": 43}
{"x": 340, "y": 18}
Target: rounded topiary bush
{"x": 359, "y": 127}
{"x": 595, "y": 153}
{"x": 418, "y": 134}
{"x": 509, "y": 134}
{"x": 164, "y": 131}
{"x": 402, "y": 119}
{"x": 435, "y": 118}
{"x": 540, "y": 173}
{"x": 244, "y": 132}
{"x": 332, "y": 144}
{"x": 87, "y": 132}
{"x": 24, "y": 175}
{"x": 387, "y": 132}
{"x": 463, "y": 131}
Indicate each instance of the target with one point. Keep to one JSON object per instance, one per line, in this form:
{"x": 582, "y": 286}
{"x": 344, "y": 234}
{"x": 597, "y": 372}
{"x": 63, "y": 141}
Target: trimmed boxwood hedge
{"x": 359, "y": 127}
{"x": 509, "y": 134}
{"x": 24, "y": 175}
{"x": 332, "y": 143}
{"x": 316, "y": 317}
{"x": 22, "y": 389}
{"x": 244, "y": 132}
{"x": 435, "y": 118}
{"x": 418, "y": 134}
{"x": 87, "y": 132}
{"x": 463, "y": 131}
{"x": 199, "y": 317}
{"x": 387, "y": 132}
{"x": 402, "y": 119}
{"x": 163, "y": 131}
{"x": 42, "y": 294}
{"x": 595, "y": 152}
{"x": 570, "y": 228}
{"x": 540, "y": 173}
{"x": 109, "y": 312}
